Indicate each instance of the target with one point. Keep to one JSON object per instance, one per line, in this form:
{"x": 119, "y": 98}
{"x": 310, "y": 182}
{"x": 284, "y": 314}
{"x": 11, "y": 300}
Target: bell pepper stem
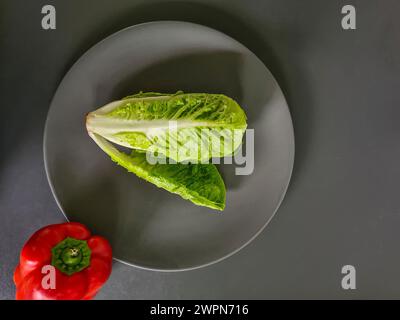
{"x": 71, "y": 255}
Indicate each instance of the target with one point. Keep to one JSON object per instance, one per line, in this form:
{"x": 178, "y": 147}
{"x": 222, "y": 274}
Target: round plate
{"x": 149, "y": 227}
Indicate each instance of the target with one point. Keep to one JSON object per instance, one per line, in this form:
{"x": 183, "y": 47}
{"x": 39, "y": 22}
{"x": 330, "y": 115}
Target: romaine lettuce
{"x": 199, "y": 183}
{"x": 183, "y": 127}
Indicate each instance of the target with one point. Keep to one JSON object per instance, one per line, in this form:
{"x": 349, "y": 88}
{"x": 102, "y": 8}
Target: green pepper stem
{"x": 71, "y": 255}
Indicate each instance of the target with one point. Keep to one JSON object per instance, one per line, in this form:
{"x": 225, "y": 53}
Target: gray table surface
{"x": 342, "y": 206}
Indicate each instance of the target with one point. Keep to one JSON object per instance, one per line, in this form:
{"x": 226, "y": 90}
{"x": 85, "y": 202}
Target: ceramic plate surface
{"x": 147, "y": 226}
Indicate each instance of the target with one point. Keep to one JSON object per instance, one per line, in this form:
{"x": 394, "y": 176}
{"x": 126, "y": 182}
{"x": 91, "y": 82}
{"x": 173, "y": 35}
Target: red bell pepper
{"x": 82, "y": 263}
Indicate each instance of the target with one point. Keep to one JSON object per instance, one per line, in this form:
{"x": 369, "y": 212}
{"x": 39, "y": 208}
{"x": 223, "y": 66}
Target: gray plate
{"x": 149, "y": 227}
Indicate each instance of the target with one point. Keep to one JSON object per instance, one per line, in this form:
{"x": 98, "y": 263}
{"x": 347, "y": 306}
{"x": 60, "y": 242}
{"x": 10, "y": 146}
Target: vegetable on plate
{"x": 181, "y": 126}
{"x": 185, "y": 129}
{"x": 199, "y": 183}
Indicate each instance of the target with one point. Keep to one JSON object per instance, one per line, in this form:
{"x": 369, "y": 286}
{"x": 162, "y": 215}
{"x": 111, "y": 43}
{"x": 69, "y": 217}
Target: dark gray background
{"x": 342, "y": 206}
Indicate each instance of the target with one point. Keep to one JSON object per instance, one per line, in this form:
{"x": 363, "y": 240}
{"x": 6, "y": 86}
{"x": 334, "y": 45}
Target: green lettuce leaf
{"x": 183, "y": 127}
{"x": 199, "y": 183}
